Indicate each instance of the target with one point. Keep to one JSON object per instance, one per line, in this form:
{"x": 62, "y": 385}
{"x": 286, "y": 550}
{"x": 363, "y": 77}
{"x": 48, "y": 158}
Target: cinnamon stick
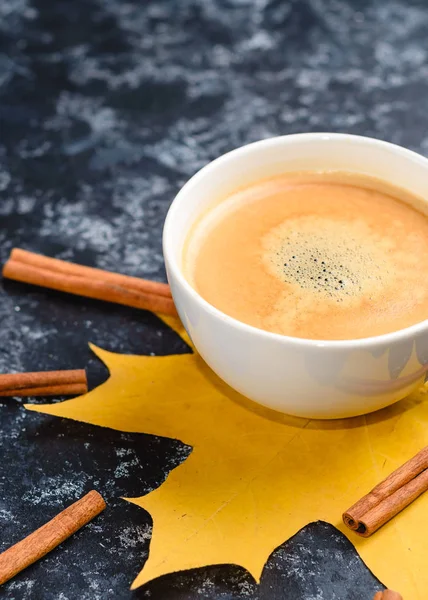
{"x": 390, "y": 496}
{"x": 44, "y": 383}
{"x": 74, "y": 279}
{"x": 387, "y": 595}
{"x": 67, "y": 268}
{"x": 46, "y": 538}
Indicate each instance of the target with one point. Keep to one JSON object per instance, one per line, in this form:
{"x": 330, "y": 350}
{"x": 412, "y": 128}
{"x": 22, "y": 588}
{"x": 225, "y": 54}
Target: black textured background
{"x": 106, "y": 108}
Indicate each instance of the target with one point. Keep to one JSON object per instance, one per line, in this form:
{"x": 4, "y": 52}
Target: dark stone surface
{"x": 55, "y": 462}
{"x": 318, "y": 563}
{"x": 106, "y": 108}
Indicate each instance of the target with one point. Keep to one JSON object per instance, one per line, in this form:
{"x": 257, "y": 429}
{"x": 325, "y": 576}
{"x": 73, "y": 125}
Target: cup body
{"x": 307, "y": 378}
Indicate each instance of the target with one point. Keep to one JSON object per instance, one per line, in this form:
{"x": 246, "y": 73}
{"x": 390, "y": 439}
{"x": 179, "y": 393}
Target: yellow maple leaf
{"x": 255, "y": 477}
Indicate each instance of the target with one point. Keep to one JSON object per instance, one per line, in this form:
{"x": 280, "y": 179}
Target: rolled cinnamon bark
{"x": 44, "y": 383}
{"x": 68, "y": 268}
{"x": 46, "y": 538}
{"x": 96, "y": 288}
{"x": 390, "y": 496}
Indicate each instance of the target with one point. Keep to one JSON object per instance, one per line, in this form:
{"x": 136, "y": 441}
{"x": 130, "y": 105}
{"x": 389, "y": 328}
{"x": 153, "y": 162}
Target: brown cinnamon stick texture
{"x": 389, "y": 497}
{"x": 50, "y": 535}
{"x": 67, "y": 268}
{"x": 387, "y": 595}
{"x": 44, "y": 383}
{"x": 89, "y": 282}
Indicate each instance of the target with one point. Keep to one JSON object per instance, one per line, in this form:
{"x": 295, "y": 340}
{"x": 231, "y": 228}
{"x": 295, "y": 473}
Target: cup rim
{"x": 175, "y": 269}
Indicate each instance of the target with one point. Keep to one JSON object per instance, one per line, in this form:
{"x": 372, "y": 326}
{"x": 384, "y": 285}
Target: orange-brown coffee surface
{"x": 326, "y": 256}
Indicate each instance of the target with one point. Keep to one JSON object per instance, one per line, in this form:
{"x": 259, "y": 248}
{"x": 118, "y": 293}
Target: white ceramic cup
{"x": 302, "y": 377}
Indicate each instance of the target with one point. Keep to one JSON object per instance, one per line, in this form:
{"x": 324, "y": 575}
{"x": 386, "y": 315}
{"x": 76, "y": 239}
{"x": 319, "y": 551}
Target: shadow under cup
{"x": 301, "y": 377}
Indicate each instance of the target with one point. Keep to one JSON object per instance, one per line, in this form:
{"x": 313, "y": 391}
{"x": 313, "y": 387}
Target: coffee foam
{"x": 334, "y": 259}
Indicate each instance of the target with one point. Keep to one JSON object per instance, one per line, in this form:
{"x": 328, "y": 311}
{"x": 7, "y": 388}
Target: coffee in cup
{"x": 314, "y": 255}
